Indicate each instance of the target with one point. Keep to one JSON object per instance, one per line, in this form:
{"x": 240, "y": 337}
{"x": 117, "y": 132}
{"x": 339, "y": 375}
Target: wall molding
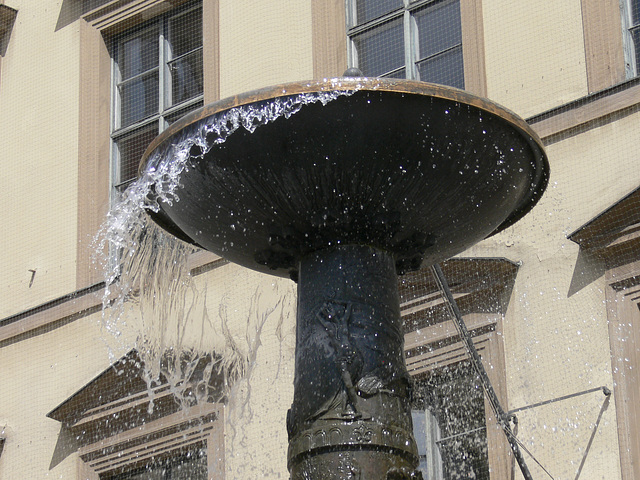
{"x": 581, "y": 113}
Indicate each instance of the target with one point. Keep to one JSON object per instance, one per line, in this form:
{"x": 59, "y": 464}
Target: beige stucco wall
{"x": 556, "y": 333}
{"x": 264, "y": 43}
{"x": 260, "y": 313}
{"x": 38, "y": 167}
{"x": 534, "y": 53}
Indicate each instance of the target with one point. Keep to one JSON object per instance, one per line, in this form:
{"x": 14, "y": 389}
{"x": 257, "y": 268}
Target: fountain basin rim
{"x": 346, "y": 84}
{"x": 362, "y": 86}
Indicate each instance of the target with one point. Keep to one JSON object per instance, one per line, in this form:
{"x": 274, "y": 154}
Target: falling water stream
{"x": 151, "y": 294}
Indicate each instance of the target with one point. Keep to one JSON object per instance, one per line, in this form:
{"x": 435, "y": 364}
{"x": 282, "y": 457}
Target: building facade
{"x": 552, "y": 302}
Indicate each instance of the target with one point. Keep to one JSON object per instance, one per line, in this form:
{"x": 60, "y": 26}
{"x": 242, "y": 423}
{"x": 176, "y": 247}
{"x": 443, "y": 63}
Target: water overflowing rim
{"x": 354, "y": 84}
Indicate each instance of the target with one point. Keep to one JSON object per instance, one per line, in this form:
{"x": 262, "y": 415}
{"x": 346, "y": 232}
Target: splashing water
{"x": 149, "y": 288}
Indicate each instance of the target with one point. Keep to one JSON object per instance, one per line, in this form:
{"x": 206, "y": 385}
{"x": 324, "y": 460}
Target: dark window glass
{"x": 635, "y": 35}
{"x": 178, "y": 114}
{"x": 449, "y": 424}
{"x": 186, "y": 77}
{"x": 439, "y": 56}
{"x": 369, "y": 9}
{"x": 139, "y": 97}
{"x": 185, "y": 68}
{"x": 399, "y": 73}
{"x": 138, "y": 54}
{"x": 446, "y": 68}
{"x": 130, "y": 149}
{"x": 438, "y": 28}
{"x": 184, "y": 32}
{"x": 381, "y": 49}
{"x": 635, "y": 12}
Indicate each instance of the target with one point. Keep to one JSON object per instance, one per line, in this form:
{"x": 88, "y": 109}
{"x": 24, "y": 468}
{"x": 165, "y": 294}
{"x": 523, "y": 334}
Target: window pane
{"x": 186, "y": 77}
{"x": 185, "y": 32}
{"x": 138, "y": 54}
{"x": 139, "y": 98}
{"x": 369, "y": 9}
{"x": 445, "y": 69}
{"x": 438, "y": 28}
{"x": 380, "y": 49}
{"x": 175, "y": 116}
{"x": 130, "y": 149}
{"x": 400, "y": 73}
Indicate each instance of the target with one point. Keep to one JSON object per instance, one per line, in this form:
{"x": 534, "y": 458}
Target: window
{"x": 631, "y": 25}
{"x": 449, "y": 424}
{"x": 455, "y": 428}
{"x": 158, "y": 78}
{"x": 124, "y": 430}
{"x": 191, "y": 465}
{"x": 419, "y": 40}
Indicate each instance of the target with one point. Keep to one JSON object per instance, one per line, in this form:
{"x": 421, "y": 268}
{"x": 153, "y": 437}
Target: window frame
{"x": 471, "y": 21}
{"x": 165, "y": 108}
{"x": 631, "y": 50}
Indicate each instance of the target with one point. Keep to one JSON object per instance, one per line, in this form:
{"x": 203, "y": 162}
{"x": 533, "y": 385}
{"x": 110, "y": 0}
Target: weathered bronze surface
{"x": 342, "y": 197}
{"x": 351, "y": 400}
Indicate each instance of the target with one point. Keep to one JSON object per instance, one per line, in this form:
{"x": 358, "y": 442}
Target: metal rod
{"x": 604, "y": 406}
{"x": 604, "y": 390}
{"x": 451, "y": 437}
{"x": 503, "y": 418}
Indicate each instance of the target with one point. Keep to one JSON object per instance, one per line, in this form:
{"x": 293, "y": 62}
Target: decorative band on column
{"x": 358, "y": 435}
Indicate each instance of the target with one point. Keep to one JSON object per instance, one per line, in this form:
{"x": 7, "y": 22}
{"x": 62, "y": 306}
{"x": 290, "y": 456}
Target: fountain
{"x": 354, "y": 181}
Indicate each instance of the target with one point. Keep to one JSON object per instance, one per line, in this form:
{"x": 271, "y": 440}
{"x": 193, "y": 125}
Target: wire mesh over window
{"x": 191, "y": 465}
{"x": 449, "y": 424}
{"x": 158, "y": 78}
{"x": 421, "y": 41}
{"x": 632, "y": 21}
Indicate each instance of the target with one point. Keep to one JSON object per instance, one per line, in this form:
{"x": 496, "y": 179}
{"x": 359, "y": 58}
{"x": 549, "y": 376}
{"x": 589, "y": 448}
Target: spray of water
{"x": 148, "y": 284}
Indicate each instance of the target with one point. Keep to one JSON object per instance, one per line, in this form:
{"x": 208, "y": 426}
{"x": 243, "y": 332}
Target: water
{"x": 152, "y": 302}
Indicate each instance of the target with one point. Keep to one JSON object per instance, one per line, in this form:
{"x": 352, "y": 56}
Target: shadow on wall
{"x": 72, "y": 10}
{"x": 589, "y": 267}
{"x": 66, "y": 445}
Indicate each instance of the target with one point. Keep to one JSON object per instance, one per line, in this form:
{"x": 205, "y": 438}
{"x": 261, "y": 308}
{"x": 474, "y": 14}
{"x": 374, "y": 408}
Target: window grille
{"x": 419, "y": 40}
{"x": 158, "y": 78}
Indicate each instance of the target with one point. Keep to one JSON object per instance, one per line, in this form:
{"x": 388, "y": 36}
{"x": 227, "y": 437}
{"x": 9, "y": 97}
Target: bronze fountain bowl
{"x": 420, "y": 170}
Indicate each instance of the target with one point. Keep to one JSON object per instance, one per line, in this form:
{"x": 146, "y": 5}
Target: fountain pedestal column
{"x": 351, "y": 415}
